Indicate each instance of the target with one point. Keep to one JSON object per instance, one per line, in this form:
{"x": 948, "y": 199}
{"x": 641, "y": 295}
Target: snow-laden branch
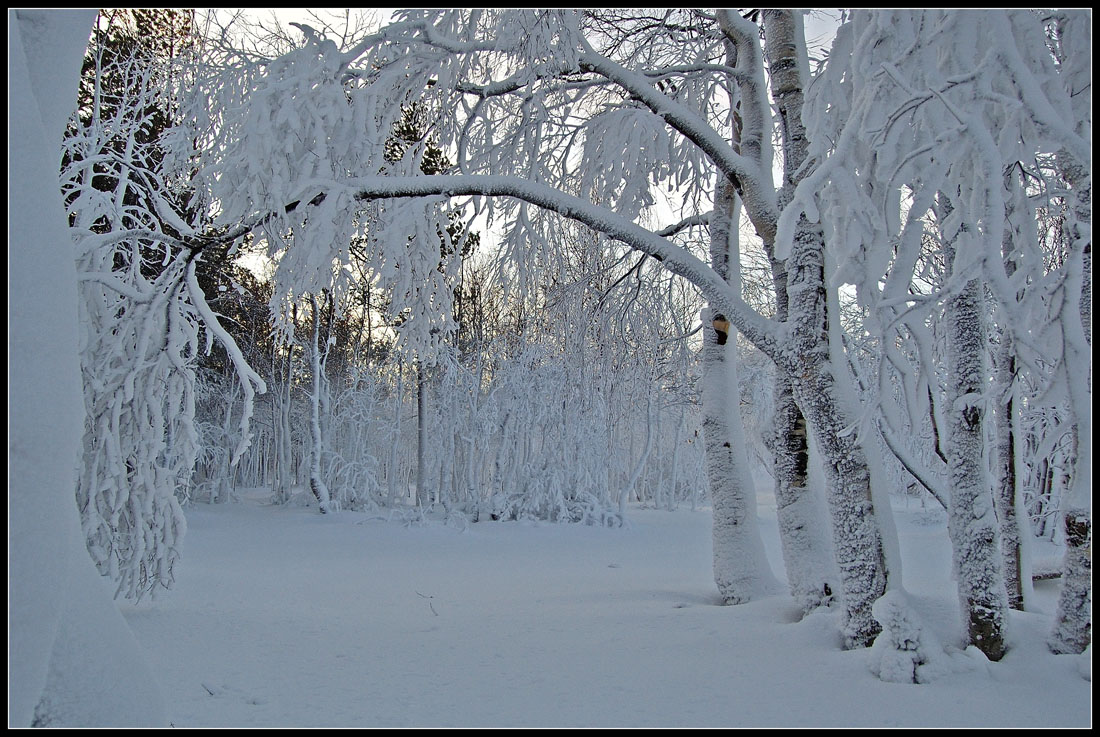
{"x": 934, "y": 486}
{"x": 755, "y": 183}
{"x": 108, "y": 279}
{"x": 675, "y": 259}
{"x": 250, "y": 380}
{"x": 683, "y": 69}
{"x": 688, "y": 222}
{"x": 1037, "y": 102}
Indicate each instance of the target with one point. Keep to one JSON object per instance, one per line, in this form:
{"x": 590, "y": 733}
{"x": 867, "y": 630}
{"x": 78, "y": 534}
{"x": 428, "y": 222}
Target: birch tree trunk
{"x": 972, "y": 522}
{"x": 857, "y": 540}
{"x": 392, "y": 472}
{"x": 811, "y": 578}
{"x": 1007, "y": 497}
{"x": 423, "y": 492}
{"x": 1073, "y": 620}
{"x": 1006, "y": 477}
{"x": 741, "y": 568}
{"x": 281, "y": 369}
{"x": 806, "y": 354}
{"x": 316, "y": 481}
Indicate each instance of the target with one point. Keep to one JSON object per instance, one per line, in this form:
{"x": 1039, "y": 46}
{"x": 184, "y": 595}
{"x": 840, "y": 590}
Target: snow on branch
{"x": 674, "y": 258}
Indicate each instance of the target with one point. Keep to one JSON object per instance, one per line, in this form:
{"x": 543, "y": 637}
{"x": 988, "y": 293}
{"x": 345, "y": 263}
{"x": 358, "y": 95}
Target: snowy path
{"x": 283, "y": 617}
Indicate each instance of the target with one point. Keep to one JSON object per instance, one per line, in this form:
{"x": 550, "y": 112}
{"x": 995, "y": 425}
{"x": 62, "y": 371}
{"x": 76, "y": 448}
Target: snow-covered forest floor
{"x": 283, "y": 617}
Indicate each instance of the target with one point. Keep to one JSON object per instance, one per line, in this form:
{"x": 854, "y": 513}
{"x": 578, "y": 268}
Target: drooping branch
{"x": 675, "y": 259}
{"x": 758, "y": 195}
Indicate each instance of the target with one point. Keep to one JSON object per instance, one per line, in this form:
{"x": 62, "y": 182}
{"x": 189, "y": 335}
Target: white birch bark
{"x": 741, "y": 568}
{"x": 284, "y": 438}
{"x": 423, "y": 488}
{"x": 811, "y": 578}
{"x": 1072, "y": 631}
{"x": 1007, "y": 493}
{"x": 392, "y": 470}
{"x": 316, "y": 480}
{"x": 972, "y": 522}
{"x": 857, "y": 540}
{"x": 1006, "y": 498}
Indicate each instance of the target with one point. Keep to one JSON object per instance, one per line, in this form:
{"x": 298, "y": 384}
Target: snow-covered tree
{"x": 810, "y": 574}
{"x": 142, "y": 310}
{"x": 922, "y": 116}
{"x": 72, "y": 659}
{"x": 741, "y": 569}
{"x": 1073, "y": 31}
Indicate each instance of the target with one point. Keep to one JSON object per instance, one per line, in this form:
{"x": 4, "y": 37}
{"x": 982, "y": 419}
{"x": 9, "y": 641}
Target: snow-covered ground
{"x": 284, "y": 617}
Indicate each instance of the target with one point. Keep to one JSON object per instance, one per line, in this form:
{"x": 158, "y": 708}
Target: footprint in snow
{"x": 232, "y": 692}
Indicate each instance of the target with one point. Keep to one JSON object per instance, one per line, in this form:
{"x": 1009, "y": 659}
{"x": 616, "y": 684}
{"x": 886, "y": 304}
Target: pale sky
{"x": 820, "y": 23}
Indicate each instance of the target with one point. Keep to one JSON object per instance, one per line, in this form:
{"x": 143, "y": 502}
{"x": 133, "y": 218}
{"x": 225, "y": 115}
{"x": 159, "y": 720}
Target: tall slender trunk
{"x": 1007, "y": 495}
{"x": 446, "y": 484}
{"x": 283, "y": 440}
{"x": 392, "y": 473}
{"x": 972, "y": 522}
{"x": 630, "y": 487}
{"x": 857, "y": 539}
{"x": 1005, "y": 474}
{"x": 423, "y": 488}
{"x": 741, "y": 568}
{"x": 802, "y": 529}
{"x": 1073, "y": 620}
{"x": 316, "y": 482}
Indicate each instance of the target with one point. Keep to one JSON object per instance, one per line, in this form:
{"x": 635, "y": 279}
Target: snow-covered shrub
{"x": 357, "y": 431}
{"x": 904, "y": 650}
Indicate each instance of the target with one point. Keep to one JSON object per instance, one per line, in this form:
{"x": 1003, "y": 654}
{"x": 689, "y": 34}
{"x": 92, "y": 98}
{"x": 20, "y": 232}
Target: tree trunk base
{"x": 1073, "y": 622}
